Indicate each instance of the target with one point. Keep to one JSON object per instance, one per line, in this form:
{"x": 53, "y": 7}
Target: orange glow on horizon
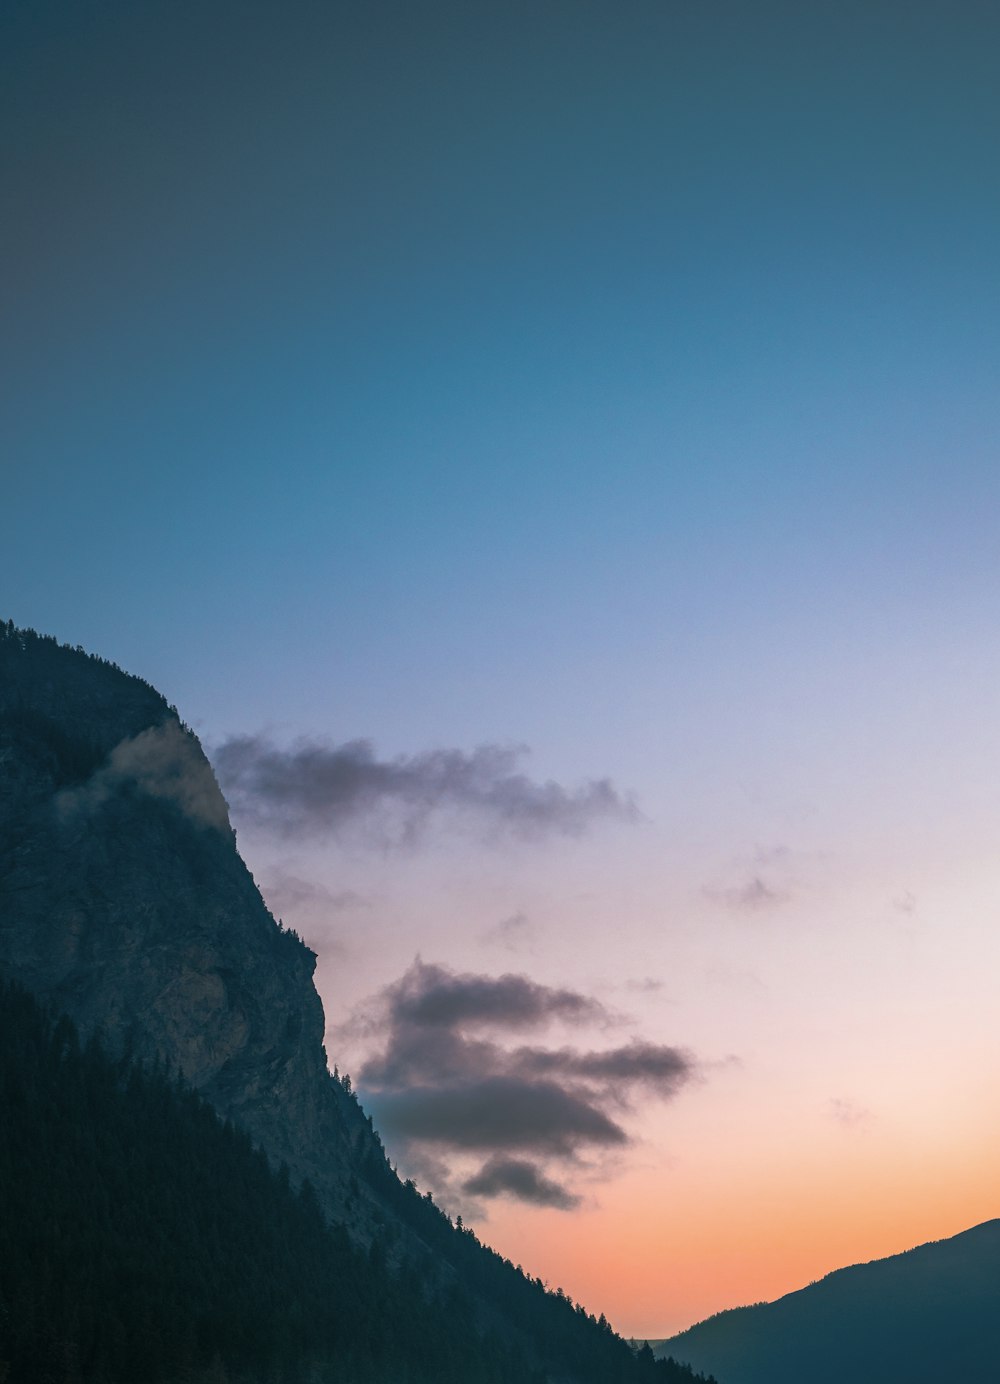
{"x": 656, "y": 1258}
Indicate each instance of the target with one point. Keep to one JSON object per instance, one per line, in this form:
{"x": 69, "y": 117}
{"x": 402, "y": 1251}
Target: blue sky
{"x": 616, "y": 380}
{"x": 313, "y": 315}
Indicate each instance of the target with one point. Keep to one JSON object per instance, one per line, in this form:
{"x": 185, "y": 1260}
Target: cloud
{"x": 660, "y": 1069}
{"x": 849, "y": 1114}
{"x": 518, "y": 1178}
{"x": 448, "y": 1078}
{"x": 433, "y": 996}
{"x": 512, "y": 933}
{"x": 499, "y": 1112}
{"x": 285, "y": 891}
{"x": 754, "y": 894}
{"x": 732, "y": 976}
{"x": 772, "y": 855}
{"x": 324, "y": 789}
{"x": 165, "y": 761}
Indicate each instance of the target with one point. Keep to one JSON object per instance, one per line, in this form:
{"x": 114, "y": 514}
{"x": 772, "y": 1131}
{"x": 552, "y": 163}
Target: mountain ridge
{"x": 926, "y": 1314}
{"x": 124, "y": 904}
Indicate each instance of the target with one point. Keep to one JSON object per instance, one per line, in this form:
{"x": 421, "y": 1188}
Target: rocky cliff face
{"x": 124, "y": 903}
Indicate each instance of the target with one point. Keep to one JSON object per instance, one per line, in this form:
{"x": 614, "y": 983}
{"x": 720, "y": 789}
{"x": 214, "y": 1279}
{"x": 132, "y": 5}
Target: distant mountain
{"x": 124, "y": 904}
{"x": 929, "y": 1316}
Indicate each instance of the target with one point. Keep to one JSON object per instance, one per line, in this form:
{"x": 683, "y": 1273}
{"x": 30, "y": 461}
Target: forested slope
{"x": 125, "y": 904}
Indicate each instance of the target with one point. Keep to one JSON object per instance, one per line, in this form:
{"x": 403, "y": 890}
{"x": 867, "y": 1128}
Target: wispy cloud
{"x": 849, "y": 1114}
{"x": 319, "y": 788}
{"x": 164, "y": 761}
{"x": 512, "y": 933}
{"x": 522, "y": 1180}
{"x": 755, "y": 894}
{"x": 289, "y": 892}
{"x": 446, "y": 1080}
{"x": 644, "y": 985}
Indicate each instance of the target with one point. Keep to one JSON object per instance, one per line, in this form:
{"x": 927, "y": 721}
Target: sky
{"x": 549, "y": 454}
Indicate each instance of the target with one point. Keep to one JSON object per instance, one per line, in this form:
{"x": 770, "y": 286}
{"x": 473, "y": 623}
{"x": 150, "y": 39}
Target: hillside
{"x": 124, "y": 904}
{"x": 928, "y": 1316}
{"x": 180, "y": 1253}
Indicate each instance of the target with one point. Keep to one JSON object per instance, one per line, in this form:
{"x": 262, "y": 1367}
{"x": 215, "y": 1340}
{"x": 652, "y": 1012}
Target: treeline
{"x": 140, "y": 1239}
{"x": 15, "y": 640}
{"x": 567, "y": 1339}
{"x": 143, "y": 1241}
{"x": 67, "y": 707}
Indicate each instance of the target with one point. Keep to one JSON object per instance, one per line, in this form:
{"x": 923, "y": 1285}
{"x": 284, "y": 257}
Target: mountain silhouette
{"x": 125, "y": 906}
{"x": 928, "y": 1316}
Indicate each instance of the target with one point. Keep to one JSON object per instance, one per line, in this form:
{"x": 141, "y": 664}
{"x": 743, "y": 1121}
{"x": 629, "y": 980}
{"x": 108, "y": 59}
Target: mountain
{"x": 928, "y": 1316}
{"x": 143, "y": 1239}
{"x": 124, "y": 903}
{"x": 125, "y": 906}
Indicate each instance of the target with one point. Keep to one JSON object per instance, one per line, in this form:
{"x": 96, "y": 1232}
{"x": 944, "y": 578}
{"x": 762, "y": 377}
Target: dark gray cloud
{"x": 433, "y": 996}
{"x": 448, "y": 1078}
{"x": 660, "y": 1069}
{"x": 164, "y": 761}
{"x": 516, "y": 1177}
{"x": 430, "y": 1017}
{"x": 323, "y": 788}
{"x": 499, "y": 1112}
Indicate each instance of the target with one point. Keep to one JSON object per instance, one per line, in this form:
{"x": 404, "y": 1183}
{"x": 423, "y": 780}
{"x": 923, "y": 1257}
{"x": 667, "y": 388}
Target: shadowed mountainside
{"x": 182, "y": 1257}
{"x": 929, "y": 1316}
{"x": 125, "y": 905}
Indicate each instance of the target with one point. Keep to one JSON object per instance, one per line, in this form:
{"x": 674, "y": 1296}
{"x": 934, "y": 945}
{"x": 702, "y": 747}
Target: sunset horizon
{"x": 549, "y": 458}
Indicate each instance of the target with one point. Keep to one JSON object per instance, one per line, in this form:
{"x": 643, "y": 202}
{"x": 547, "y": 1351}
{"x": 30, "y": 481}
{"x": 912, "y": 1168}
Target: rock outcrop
{"x": 124, "y": 903}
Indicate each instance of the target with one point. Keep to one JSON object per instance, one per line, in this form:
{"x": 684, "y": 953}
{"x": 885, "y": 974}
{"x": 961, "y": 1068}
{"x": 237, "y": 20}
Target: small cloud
{"x": 849, "y": 1114}
{"x": 644, "y": 986}
{"x": 512, "y": 933}
{"x": 753, "y": 896}
{"x": 772, "y": 855}
{"x": 324, "y": 789}
{"x": 433, "y": 996}
{"x": 906, "y": 902}
{"x": 518, "y": 1178}
{"x": 738, "y": 977}
{"x": 164, "y": 761}
{"x": 286, "y": 893}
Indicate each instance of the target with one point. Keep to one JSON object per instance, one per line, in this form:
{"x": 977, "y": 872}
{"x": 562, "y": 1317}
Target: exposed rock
{"x": 124, "y": 902}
